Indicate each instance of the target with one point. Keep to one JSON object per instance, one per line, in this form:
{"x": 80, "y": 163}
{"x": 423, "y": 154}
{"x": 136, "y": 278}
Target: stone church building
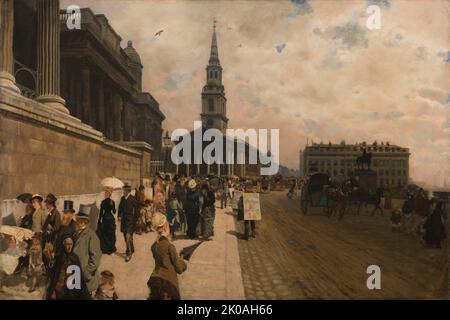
{"x": 214, "y": 116}
{"x": 72, "y": 109}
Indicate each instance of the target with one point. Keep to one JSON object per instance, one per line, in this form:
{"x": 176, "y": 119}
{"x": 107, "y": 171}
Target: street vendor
{"x": 248, "y": 224}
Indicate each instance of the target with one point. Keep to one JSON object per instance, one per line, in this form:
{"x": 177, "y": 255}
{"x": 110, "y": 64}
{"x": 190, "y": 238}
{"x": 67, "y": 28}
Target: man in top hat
{"x": 67, "y": 228}
{"x": 128, "y": 216}
{"x": 50, "y": 230}
{"x": 87, "y": 248}
{"x": 39, "y": 215}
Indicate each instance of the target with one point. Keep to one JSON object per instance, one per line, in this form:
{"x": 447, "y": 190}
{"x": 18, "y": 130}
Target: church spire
{"x": 214, "y": 103}
{"x": 214, "y": 57}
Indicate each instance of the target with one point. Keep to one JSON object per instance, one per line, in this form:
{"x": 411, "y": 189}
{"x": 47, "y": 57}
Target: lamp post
{"x": 167, "y": 142}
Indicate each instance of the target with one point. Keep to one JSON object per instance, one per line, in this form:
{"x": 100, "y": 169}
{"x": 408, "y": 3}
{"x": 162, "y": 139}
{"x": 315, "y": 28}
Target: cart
{"x": 313, "y": 192}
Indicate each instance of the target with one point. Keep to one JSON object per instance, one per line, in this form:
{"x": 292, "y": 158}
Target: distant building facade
{"x": 102, "y": 83}
{"x": 390, "y": 162}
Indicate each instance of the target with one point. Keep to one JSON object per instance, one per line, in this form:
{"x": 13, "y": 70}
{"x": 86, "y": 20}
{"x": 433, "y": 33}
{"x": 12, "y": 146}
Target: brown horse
{"x": 337, "y": 198}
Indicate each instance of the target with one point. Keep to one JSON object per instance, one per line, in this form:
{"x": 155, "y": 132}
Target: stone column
{"x": 48, "y": 55}
{"x": 118, "y": 105}
{"x": 218, "y": 169}
{"x": 100, "y": 92}
{"x": 7, "y": 80}
{"x": 86, "y": 93}
{"x": 109, "y": 114}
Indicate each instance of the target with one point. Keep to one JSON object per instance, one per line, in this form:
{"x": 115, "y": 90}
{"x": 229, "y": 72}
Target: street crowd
{"x": 62, "y": 240}
{"x": 422, "y": 217}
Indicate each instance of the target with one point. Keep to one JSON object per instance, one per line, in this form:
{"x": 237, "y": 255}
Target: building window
{"x": 211, "y": 104}
{"x": 216, "y": 75}
{"x": 210, "y": 122}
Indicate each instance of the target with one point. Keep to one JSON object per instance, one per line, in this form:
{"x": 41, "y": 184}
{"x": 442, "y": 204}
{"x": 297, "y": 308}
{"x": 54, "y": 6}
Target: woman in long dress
{"x": 434, "y": 227}
{"x": 106, "y": 228}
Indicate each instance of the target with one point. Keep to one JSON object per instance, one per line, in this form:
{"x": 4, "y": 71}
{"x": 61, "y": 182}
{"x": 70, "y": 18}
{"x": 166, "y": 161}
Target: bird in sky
{"x": 159, "y": 33}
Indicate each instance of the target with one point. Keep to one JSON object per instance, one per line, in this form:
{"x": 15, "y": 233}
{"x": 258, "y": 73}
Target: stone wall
{"x": 36, "y": 159}
{"x": 42, "y": 151}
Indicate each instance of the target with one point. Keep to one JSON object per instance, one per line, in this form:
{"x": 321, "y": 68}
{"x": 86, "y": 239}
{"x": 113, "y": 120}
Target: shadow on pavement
{"x": 238, "y": 235}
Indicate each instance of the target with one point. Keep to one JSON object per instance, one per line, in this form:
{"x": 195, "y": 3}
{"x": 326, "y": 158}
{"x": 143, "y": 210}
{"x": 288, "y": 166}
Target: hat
{"x": 107, "y": 275}
{"x": 68, "y": 206}
{"x": 50, "y": 198}
{"x": 158, "y": 220}
{"x": 84, "y": 212}
{"x": 66, "y": 238}
{"x": 192, "y": 184}
{"x": 126, "y": 186}
{"x": 37, "y": 197}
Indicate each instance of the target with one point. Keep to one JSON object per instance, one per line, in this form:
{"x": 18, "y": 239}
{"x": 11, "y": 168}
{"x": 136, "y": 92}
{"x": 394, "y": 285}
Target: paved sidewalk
{"x": 213, "y": 272}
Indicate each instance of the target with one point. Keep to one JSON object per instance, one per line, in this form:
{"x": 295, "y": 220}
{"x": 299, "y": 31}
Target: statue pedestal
{"x": 367, "y": 180}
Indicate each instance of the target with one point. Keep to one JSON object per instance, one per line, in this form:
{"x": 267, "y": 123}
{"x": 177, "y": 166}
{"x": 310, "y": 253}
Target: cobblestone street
{"x": 301, "y": 257}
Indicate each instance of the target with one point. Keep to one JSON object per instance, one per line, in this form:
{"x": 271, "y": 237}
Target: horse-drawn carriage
{"x": 313, "y": 191}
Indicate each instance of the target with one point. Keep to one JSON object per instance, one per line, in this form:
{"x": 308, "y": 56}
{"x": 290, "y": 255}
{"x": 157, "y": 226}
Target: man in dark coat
{"x": 67, "y": 228}
{"x": 192, "y": 209}
{"x": 128, "y": 215}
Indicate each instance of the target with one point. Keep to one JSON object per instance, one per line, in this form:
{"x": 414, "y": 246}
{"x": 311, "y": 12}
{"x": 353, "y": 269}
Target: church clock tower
{"x": 214, "y": 103}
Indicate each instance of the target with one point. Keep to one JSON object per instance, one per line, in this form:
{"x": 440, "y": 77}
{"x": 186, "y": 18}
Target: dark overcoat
{"x": 128, "y": 213}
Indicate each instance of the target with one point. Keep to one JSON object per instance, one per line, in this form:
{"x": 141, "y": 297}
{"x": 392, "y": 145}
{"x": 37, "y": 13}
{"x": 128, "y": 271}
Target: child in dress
{"x": 106, "y": 290}
{"x": 36, "y": 265}
{"x": 396, "y": 220}
{"x": 148, "y": 215}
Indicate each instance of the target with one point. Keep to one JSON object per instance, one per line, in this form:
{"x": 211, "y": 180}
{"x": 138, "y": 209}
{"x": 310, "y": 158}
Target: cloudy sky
{"x": 310, "y": 68}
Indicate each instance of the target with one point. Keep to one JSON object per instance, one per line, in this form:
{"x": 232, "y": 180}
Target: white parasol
{"x": 112, "y": 182}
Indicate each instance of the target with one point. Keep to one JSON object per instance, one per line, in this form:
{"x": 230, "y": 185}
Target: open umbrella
{"x": 24, "y": 197}
{"x": 188, "y": 251}
{"x": 112, "y": 182}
